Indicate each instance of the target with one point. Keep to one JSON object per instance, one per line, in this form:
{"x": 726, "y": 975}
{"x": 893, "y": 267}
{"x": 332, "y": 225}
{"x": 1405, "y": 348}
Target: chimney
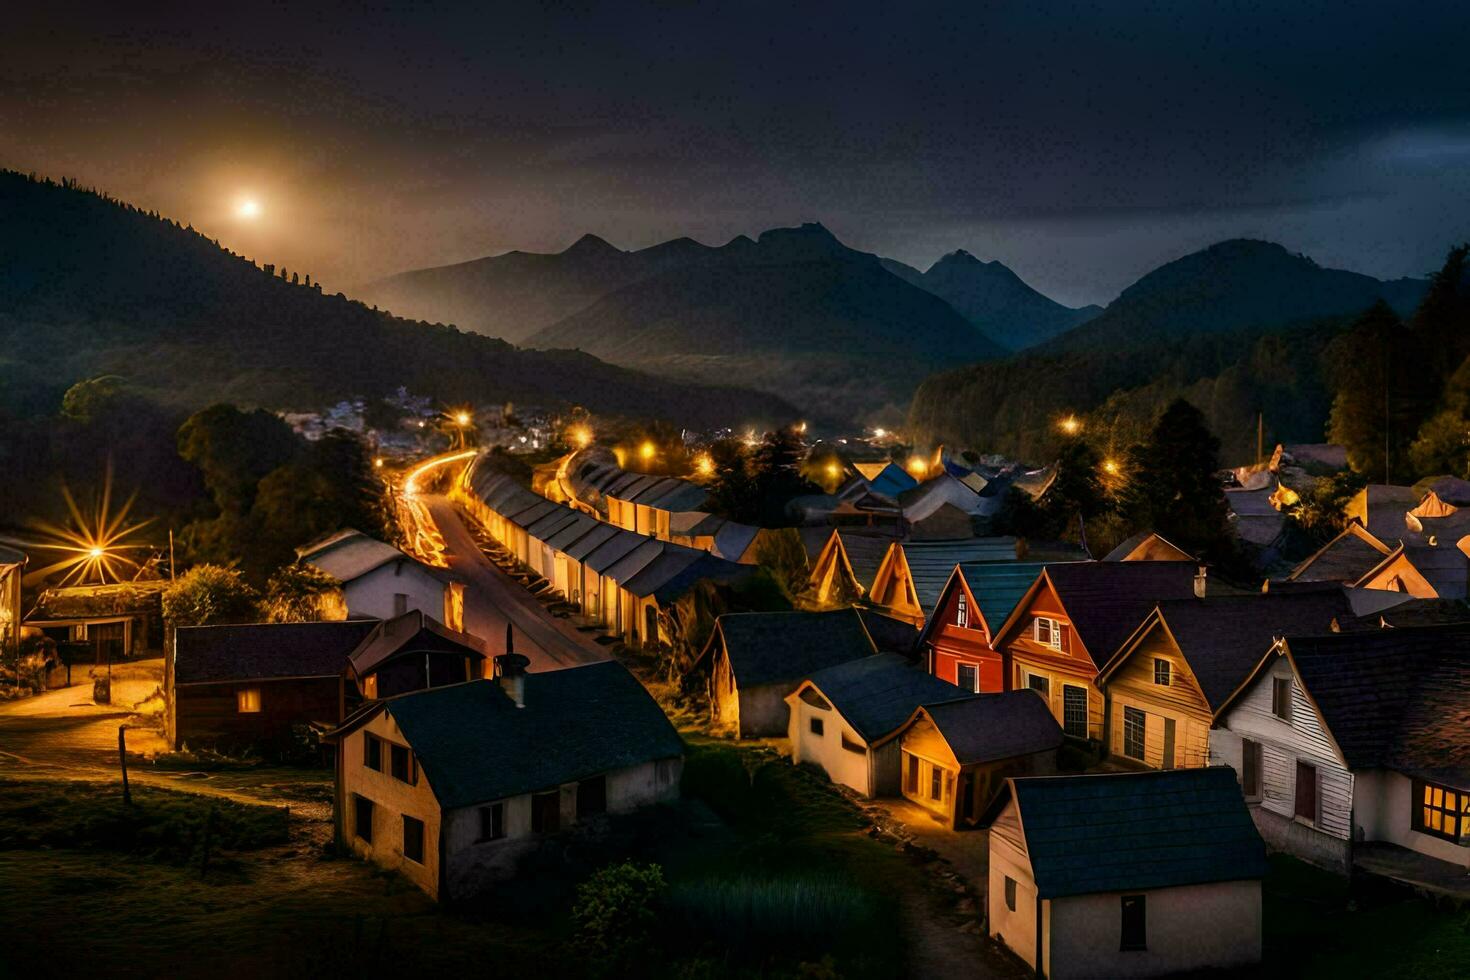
{"x": 510, "y": 670}
{"x": 1200, "y": 579}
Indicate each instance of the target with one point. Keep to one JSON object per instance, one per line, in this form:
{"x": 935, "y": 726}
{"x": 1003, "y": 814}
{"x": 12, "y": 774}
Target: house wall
{"x": 473, "y": 864}
{"x": 1190, "y": 927}
{"x": 1070, "y": 665}
{"x": 952, "y": 645}
{"x": 921, "y": 741}
{"x": 1322, "y": 841}
{"x": 1132, "y": 686}
{"x": 1383, "y": 810}
{"x": 392, "y": 799}
{"x": 763, "y": 712}
{"x": 893, "y": 588}
{"x": 1016, "y": 929}
{"x": 825, "y": 750}
{"x": 208, "y": 715}
{"x": 372, "y": 594}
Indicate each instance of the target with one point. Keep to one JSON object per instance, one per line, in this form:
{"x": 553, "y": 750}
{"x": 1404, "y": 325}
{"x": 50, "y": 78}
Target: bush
{"x": 210, "y": 594}
{"x": 615, "y": 911}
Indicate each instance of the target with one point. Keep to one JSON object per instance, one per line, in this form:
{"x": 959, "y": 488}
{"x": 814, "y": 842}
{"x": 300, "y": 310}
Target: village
{"x": 568, "y": 679}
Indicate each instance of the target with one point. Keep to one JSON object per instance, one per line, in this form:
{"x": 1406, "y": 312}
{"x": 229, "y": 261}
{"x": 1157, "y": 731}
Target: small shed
{"x": 1127, "y": 874}
{"x": 119, "y": 620}
{"x": 410, "y": 653}
{"x": 838, "y": 713}
{"x": 954, "y": 755}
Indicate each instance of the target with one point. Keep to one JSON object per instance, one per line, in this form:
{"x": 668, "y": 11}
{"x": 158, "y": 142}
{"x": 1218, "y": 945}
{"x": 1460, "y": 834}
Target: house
{"x": 455, "y": 786}
{"x": 942, "y": 507}
{"x": 1165, "y": 683}
{"x": 1127, "y": 874}
{"x": 1381, "y": 509}
{"x": 955, "y": 755}
{"x": 1353, "y": 738}
{"x": 410, "y": 653}
{"x": 844, "y": 569}
{"x": 1422, "y": 571}
{"x": 1072, "y": 619}
{"x": 1148, "y": 546}
{"x": 913, "y": 573}
{"x": 1349, "y": 556}
{"x": 380, "y": 581}
{"x": 754, "y": 660}
{"x": 258, "y": 685}
{"x": 119, "y": 620}
{"x": 12, "y": 567}
{"x": 888, "y": 479}
{"x": 890, "y": 635}
{"x": 839, "y": 712}
{"x": 957, "y": 635}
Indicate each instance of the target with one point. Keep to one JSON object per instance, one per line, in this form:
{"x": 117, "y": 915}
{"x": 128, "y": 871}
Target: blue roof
{"x": 877, "y": 694}
{"x": 999, "y": 586}
{"x": 892, "y": 480}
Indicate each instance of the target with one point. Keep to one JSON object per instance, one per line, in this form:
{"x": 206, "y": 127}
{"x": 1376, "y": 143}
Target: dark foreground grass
{"x": 158, "y": 825}
{"x": 1315, "y": 926}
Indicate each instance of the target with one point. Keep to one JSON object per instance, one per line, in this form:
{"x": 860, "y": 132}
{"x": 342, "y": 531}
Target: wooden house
{"x": 380, "y": 581}
{"x": 119, "y": 620}
{"x": 913, "y": 573}
{"x": 1148, "y": 546}
{"x": 1126, "y": 875}
{"x": 259, "y": 685}
{"x": 1353, "y": 553}
{"x": 1422, "y": 571}
{"x": 410, "y": 653}
{"x": 754, "y": 660}
{"x": 839, "y": 712}
{"x": 954, "y": 755}
{"x": 1072, "y": 619}
{"x": 1165, "y": 683}
{"x": 958, "y": 632}
{"x": 1355, "y": 740}
{"x": 455, "y": 787}
{"x": 843, "y": 569}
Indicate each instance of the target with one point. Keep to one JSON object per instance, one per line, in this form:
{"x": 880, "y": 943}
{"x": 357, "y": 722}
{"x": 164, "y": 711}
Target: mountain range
{"x": 91, "y": 286}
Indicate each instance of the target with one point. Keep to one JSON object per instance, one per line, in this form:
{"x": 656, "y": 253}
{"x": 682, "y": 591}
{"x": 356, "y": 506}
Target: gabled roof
{"x": 931, "y": 562}
{"x": 1126, "y": 832}
{"x": 261, "y": 651}
{"x": 413, "y": 632}
{"x": 921, "y": 501}
{"x": 768, "y": 648}
{"x": 733, "y": 540}
{"x": 864, "y": 554}
{"x": 998, "y": 586}
{"x": 475, "y": 746}
{"x": 595, "y": 538}
{"x": 350, "y": 554}
{"x": 1223, "y": 638}
{"x": 892, "y": 480}
{"x": 1346, "y": 558}
{"x": 617, "y": 546}
{"x": 1148, "y": 546}
{"x": 1381, "y": 508}
{"x": 1393, "y": 698}
{"x": 982, "y": 728}
{"x": 1107, "y": 600}
{"x": 1446, "y": 569}
{"x": 583, "y": 525}
{"x": 634, "y": 560}
{"x": 889, "y": 635}
{"x": 877, "y": 694}
{"x": 1414, "y": 612}
{"x": 9, "y": 556}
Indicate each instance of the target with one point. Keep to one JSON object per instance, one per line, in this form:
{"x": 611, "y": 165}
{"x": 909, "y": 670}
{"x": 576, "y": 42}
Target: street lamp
{"x": 647, "y": 450}
{"x": 1070, "y": 425}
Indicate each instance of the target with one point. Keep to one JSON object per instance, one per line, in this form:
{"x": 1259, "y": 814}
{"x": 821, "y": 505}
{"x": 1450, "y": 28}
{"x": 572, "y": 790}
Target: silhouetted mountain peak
{"x": 590, "y": 245}
{"x": 811, "y": 239}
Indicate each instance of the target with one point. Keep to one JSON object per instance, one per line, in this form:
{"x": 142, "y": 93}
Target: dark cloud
{"x": 1080, "y": 143}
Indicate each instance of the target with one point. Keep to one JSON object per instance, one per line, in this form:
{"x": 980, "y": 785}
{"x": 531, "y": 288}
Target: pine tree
{"x": 1173, "y": 486}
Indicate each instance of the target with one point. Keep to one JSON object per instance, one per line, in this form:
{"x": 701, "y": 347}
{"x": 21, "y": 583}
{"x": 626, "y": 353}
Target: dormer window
{"x": 1049, "y": 632}
{"x": 1162, "y": 672}
{"x": 962, "y": 613}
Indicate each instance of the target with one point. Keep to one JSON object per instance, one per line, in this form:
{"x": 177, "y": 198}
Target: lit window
{"x": 1049, "y": 632}
{"x": 962, "y": 613}
{"x": 247, "y": 700}
{"x": 1162, "y": 672}
{"x": 1441, "y": 812}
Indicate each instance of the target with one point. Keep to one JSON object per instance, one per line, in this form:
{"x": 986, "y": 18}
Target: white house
{"x": 454, "y": 785}
{"x": 1126, "y": 874}
{"x": 839, "y": 712}
{"x": 380, "y": 581}
{"x": 1354, "y": 740}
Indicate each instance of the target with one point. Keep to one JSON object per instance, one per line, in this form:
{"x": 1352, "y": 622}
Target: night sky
{"x": 1081, "y": 144}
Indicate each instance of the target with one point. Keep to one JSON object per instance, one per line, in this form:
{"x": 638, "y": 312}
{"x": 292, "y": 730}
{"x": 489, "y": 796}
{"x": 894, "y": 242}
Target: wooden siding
{"x": 1284, "y": 743}
{"x": 1132, "y": 686}
{"x": 208, "y": 715}
{"x": 1059, "y": 672}
{"x": 952, "y": 645}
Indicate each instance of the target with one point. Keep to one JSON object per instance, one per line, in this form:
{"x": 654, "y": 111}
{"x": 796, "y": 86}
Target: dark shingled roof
{"x": 865, "y": 553}
{"x": 878, "y": 694}
{"x": 1346, "y": 558}
{"x": 1223, "y": 638}
{"x": 990, "y": 727}
{"x": 410, "y": 632}
{"x": 1394, "y": 698}
{"x": 890, "y": 635}
{"x": 1415, "y": 612}
{"x": 767, "y": 648}
{"x": 475, "y": 745}
{"x": 1107, "y": 600}
{"x": 1135, "y": 831}
{"x": 212, "y": 654}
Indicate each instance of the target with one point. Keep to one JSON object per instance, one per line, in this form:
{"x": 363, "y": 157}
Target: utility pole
{"x": 1260, "y": 437}
{"x": 122, "y": 761}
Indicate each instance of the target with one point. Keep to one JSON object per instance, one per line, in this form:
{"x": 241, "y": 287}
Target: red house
{"x": 976, "y": 600}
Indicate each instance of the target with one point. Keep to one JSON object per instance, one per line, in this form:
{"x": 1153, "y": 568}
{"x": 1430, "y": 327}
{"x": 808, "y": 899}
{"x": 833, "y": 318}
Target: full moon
{"x": 248, "y": 208}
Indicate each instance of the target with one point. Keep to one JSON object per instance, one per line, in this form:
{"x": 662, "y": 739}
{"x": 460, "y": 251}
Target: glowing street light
{"x": 463, "y": 418}
{"x": 917, "y": 466}
{"x": 91, "y": 547}
{"x": 704, "y": 464}
{"x": 378, "y": 462}
{"x": 1110, "y": 467}
{"x": 833, "y": 471}
{"x": 880, "y": 433}
{"x": 647, "y": 450}
{"x": 1070, "y": 425}
{"x": 580, "y": 436}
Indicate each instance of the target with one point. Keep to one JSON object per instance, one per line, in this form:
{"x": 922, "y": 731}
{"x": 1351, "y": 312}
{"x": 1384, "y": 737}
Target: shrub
{"x": 615, "y": 911}
{"x": 209, "y": 594}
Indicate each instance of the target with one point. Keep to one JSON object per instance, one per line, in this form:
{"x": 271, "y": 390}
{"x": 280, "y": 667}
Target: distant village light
{"x": 879, "y": 433}
{"x": 378, "y": 462}
{"x": 1110, "y": 467}
{"x": 917, "y": 466}
{"x": 1070, "y": 425}
{"x": 580, "y": 436}
{"x": 463, "y": 418}
{"x": 704, "y": 465}
{"x": 647, "y": 450}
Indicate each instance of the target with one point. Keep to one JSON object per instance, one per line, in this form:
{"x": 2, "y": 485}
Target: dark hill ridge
{"x": 1239, "y": 328}
{"x": 795, "y": 312}
{"x": 996, "y": 300}
{"x": 100, "y": 287}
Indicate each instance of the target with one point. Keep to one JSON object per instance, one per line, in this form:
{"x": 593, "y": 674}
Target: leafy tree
{"x": 234, "y": 449}
{"x": 732, "y": 490}
{"x": 298, "y": 593}
{"x": 1320, "y": 512}
{"x": 1442, "y": 446}
{"x": 615, "y": 913}
{"x": 1366, "y": 363}
{"x": 775, "y": 470}
{"x": 782, "y": 553}
{"x": 1173, "y": 486}
{"x": 1077, "y": 494}
{"x": 206, "y": 595}
{"x": 85, "y": 400}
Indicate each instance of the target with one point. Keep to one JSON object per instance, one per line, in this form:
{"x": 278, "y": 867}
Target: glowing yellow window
{"x": 247, "y": 700}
